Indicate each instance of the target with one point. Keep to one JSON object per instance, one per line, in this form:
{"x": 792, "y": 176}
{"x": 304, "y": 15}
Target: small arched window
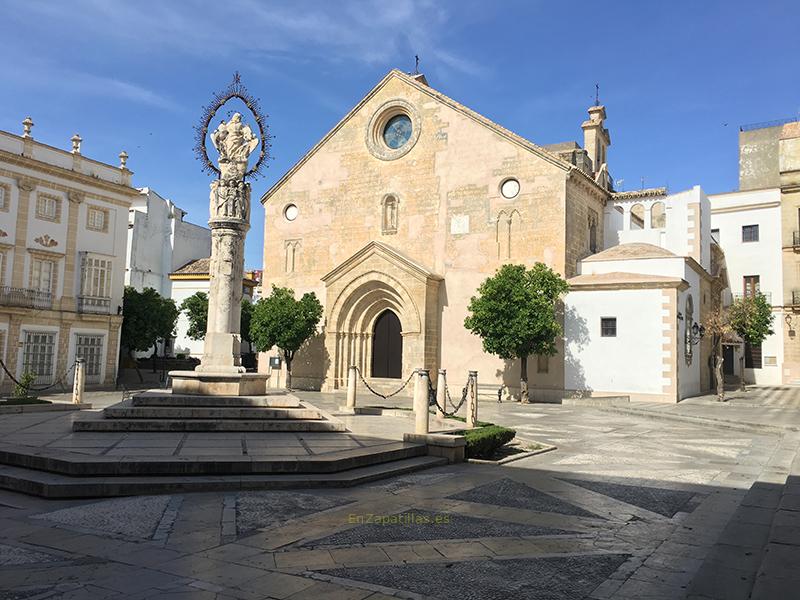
{"x": 658, "y": 216}
{"x": 389, "y": 207}
{"x": 637, "y": 216}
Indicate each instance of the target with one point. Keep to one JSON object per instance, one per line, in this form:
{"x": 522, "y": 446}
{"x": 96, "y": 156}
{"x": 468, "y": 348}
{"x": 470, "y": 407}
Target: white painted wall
{"x": 628, "y": 363}
{"x": 729, "y": 212}
{"x": 161, "y": 242}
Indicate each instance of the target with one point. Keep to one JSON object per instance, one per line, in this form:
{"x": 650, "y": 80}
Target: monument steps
{"x": 271, "y": 400}
{"x": 207, "y": 425}
{"x": 209, "y": 412}
{"x": 73, "y": 464}
{"x": 54, "y": 485}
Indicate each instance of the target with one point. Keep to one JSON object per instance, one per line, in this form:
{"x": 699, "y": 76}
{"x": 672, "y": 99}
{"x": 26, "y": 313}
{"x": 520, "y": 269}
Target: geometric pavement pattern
{"x": 563, "y": 578}
{"x": 257, "y": 510}
{"x": 662, "y": 501}
{"x": 416, "y": 525}
{"x": 512, "y": 494}
{"x": 136, "y": 517}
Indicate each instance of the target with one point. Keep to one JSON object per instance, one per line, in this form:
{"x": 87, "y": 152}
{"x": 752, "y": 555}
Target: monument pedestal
{"x": 209, "y": 383}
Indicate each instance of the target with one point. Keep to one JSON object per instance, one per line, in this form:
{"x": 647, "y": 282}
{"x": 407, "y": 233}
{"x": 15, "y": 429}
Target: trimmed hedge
{"x": 484, "y": 441}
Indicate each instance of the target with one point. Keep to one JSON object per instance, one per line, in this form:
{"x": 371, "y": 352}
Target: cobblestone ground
{"x": 627, "y": 507}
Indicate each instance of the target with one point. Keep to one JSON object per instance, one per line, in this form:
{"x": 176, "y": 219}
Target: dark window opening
{"x": 752, "y": 356}
{"x": 608, "y": 327}
{"x": 749, "y": 233}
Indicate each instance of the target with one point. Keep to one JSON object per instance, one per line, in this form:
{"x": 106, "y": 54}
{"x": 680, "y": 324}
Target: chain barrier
{"x": 443, "y": 410}
{"x": 386, "y": 396}
{"x": 32, "y": 388}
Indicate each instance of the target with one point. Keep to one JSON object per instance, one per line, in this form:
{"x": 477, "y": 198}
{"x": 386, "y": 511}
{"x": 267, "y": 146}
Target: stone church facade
{"x": 399, "y": 213}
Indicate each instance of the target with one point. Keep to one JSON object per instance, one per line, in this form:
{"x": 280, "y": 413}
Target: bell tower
{"x": 596, "y": 141}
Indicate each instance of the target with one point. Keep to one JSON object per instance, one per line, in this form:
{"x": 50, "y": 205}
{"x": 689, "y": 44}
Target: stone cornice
{"x": 60, "y": 172}
{"x": 28, "y": 183}
{"x": 646, "y": 193}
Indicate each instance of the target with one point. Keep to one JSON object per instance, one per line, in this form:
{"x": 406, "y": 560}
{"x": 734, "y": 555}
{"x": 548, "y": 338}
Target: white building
{"x": 633, "y": 313}
{"x": 160, "y": 242}
{"x": 191, "y": 278}
{"x": 748, "y": 227}
{"x": 63, "y": 224}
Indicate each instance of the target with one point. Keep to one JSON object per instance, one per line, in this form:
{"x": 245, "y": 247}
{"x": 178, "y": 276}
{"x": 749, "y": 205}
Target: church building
{"x": 396, "y": 216}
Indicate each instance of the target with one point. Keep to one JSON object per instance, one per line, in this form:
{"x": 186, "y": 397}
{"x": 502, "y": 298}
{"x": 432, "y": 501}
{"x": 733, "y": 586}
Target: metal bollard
{"x": 472, "y": 400}
{"x": 78, "y": 384}
{"x": 351, "y": 387}
{"x": 441, "y": 395}
{"x": 421, "y": 385}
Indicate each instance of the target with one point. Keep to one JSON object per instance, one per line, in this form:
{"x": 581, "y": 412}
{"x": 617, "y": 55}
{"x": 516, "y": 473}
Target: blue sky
{"x": 677, "y": 77}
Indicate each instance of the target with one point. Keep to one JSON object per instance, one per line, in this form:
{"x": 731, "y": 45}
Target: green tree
{"x": 751, "y": 318}
{"x": 514, "y": 314}
{"x": 196, "y": 309}
{"x": 147, "y": 318}
{"x": 246, "y": 319}
{"x": 280, "y": 320}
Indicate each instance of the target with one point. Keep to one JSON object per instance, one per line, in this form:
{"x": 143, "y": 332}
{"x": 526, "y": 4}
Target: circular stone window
{"x": 509, "y": 188}
{"x": 393, "y": 130}
{"x": 290, "y": 212}
{"x": 397, "y": 131}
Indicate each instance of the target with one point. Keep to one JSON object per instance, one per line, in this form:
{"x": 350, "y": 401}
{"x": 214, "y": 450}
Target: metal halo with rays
{"x": 235, "y": 89}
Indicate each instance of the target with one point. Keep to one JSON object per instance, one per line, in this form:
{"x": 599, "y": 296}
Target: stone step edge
{"x": 210, "y": 413}
{"x": 77, "y": 465}
{"x": 48, "y": 485}
{"x": 213, "y": 402}
{"x": 207, "y": 425}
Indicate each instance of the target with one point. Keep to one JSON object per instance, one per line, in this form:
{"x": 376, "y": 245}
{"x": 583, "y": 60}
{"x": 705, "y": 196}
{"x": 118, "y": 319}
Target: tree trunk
{"x": 287, "y": 356}
{"x": 523, "y": 381}
{"x": 718, "y": 360}
{"x": 136, "y": 366}
{"x": 742, "y": 387}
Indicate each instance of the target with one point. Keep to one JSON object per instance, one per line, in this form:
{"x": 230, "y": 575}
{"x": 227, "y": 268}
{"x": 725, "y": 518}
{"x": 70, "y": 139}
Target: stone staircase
{"x": 162, "y": 411}
{"x": 235, "y": 451}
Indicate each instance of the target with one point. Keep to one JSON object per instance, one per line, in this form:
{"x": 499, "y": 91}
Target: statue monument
{"x": 220, "y": 371}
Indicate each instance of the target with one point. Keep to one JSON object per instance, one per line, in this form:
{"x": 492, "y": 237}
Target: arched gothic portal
{"x": 380, "y": 297}
{"x": 387, "y": 347}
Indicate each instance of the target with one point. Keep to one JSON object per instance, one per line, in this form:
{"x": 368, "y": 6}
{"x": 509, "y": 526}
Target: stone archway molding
{"x": 374, "y": 279}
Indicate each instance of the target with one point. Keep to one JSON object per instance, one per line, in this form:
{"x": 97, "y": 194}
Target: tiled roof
{"x": 200, "y": 266}
{"x": 628, "y": 251}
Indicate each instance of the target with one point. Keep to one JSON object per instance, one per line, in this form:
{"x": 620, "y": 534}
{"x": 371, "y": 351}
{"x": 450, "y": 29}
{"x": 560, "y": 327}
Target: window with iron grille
{"x": 37, "y": 355}
{"x": 4, "y": 197}
{"x": 749, "y": 233}
{"x": 608, "y": 327}
{"x": 90, "y": 349}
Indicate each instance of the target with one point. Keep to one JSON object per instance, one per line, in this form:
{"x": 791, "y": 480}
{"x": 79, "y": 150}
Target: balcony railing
{"x": 90, "y": 304}
{"x": 767, "y": 295}
{"x": 11, "y": 296}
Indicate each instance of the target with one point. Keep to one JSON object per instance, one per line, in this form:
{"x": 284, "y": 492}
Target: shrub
{"x": 484, "y": 441}
{"x": 22, "y": 389}
{"x": 180, "y": 356}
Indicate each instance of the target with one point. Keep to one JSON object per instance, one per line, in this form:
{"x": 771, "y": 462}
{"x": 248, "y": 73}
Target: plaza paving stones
{"x": 130, "y": 517}
{"x": 663, "y": 501}
{"x": 568, "y": 578}
{"x": 16, "y": 555}
{"x": 307, "y": 548}
{"x": 416, "y": 525}
{"x": 513, "y": 494}
{"x": 257, "y": 510}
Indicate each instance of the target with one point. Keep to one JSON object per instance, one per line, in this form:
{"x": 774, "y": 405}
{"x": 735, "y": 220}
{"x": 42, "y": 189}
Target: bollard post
{"x": 472, "y": 400}
{"x": 78, "y": 384}
{"x": 421, "y": 401}
{"x": 351, "y": 388}
{"x": 441, "y": 395}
